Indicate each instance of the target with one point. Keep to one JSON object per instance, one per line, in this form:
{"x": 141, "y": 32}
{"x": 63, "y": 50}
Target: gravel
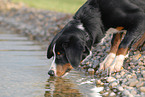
{"x": 129, "y": 82}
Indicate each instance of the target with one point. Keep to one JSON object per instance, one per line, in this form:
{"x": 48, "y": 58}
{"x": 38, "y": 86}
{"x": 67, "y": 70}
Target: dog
{"x": 89, "y": 26}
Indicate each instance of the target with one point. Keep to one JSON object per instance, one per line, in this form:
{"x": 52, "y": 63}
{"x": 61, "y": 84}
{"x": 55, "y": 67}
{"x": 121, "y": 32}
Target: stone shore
{"x": 42, "y": 25}
{"x": 129, "y": 82}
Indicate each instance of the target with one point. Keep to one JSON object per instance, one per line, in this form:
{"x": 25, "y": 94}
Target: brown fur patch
{"x": 122, "y": 51}
{"x": 120, "y": 28}
{"x": 116, "y": 42}
{"x": 61, "y": 69}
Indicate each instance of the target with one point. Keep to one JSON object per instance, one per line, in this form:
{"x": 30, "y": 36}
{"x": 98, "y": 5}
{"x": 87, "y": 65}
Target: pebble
{"x": 112, "y": 94}
{"x": 130, "y": 88}
{"x": 98, "y": 82}
{"x": 106, "y": 94}
{"x": 124, "y": 80}
{"x": 122, "y": 73}
{"x": 139, "y": 84}
{"x": 120, "y": 88}
{"x": 103, "y": 91}
{"x": 141, "y": 79}
{"x": 118, "y": 76}
{"x": 127, "y": 93}
{"x": 111, "y": 79}
{"x": 136, "y": 57}
{"x": 133, "y": 82}
{"x": 129, "y": 76}
{"x": 142, "y": 89}
{"x": 96, "y": 62}
{"x": 91, "y": 71}
{"x": 112, "y": 85}
{"x": 140, "y": 64}
{"x": 143, "y": 73}
{"x": 133, "y": 91}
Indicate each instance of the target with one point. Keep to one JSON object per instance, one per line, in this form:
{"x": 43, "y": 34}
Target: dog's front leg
{"x": 116, "y": 40}
{"x": 118, "y": 61}
{"x": 122, "y": 51}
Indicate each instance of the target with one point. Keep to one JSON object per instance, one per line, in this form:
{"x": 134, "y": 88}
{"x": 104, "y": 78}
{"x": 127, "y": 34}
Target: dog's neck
{"x": 90, "y": 19}
{"x": 86, "y": 36}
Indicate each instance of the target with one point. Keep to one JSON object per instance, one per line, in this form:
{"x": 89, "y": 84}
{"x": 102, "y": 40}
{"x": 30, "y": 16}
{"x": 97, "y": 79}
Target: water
{"x": 23, "y": 72}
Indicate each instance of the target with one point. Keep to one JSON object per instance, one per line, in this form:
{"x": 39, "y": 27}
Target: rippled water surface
{"x": 23, "y": 72}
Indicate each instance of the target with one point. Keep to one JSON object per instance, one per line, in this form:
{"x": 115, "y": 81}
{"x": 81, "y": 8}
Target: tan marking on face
{"x": 61, "y": 69}
{"x": 120, "y": 28}
{"x": 122, "y": 51}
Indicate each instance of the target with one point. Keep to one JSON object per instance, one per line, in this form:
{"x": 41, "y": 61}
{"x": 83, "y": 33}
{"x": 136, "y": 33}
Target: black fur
{"x": 70, "y": 42}
{"x": 97, "y": 16}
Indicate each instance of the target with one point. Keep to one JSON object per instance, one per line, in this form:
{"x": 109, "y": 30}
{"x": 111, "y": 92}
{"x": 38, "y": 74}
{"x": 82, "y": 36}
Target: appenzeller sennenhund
{"x": 90, "y": 25}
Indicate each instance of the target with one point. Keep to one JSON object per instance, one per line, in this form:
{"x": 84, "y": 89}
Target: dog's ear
{"x": 74, "y": 51}
{"x": 50, "y": 48}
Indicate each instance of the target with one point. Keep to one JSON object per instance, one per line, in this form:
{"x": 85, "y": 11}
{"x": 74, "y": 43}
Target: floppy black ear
{"x": 50, "y": 48}
{"x": 74, "y": 51}
{"x": 50, "y": 51}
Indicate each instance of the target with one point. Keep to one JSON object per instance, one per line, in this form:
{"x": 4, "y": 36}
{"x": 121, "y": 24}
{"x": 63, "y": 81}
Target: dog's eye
{"x": 58, "y": 53}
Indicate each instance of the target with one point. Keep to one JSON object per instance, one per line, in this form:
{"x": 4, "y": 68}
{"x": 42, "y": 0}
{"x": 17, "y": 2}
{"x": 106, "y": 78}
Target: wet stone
{"x": 105, "y": 94}
{"x": 91, "y": 71}
{"x": 103, "y": 91}
{"x": 98, "y": 82}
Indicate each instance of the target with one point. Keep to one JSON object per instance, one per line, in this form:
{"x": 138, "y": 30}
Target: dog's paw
{"x": 116, "y": 66}
{"x": 107, "y": 62}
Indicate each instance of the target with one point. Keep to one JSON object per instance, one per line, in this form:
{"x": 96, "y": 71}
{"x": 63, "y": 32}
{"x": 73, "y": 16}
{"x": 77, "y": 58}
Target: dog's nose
{"x": 51, "y": 73}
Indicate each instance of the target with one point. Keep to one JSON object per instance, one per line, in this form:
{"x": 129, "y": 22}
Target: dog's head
{"x": 67, "y": 50}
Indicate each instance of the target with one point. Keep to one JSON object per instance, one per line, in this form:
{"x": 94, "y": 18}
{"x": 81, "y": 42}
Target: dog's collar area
{"x": 81, "y": 27}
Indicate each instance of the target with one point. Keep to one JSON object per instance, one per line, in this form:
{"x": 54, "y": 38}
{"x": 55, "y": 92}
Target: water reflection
{"x": 24, "y": 70}
{"x": 61, "y": 87}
